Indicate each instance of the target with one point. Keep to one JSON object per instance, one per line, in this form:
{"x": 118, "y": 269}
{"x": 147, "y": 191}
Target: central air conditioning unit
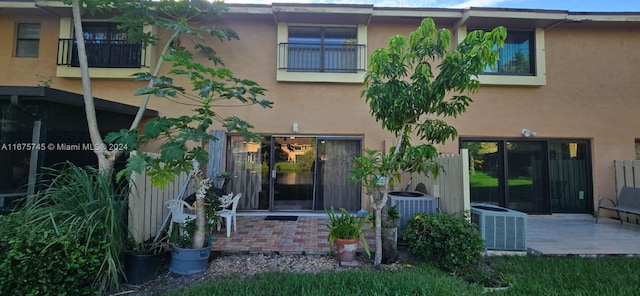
{"x": 410, "y": 203}
{"x": 500, "y": 228}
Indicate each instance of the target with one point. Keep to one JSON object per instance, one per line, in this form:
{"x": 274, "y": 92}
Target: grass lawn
{"x": 529, "y": 276}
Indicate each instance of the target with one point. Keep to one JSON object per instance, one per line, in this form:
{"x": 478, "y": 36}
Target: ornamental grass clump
{"x": 75, "y": 228}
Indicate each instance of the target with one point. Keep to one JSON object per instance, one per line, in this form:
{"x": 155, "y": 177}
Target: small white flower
{"x": 203, "y": 185}
{"x": 226, "y": 200}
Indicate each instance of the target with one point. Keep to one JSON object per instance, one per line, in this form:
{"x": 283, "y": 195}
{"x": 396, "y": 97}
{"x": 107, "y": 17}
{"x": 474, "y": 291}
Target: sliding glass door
{"x": 509, "y": 173}
{"x": 292, "y": 173}
{"x": 533, "y": 176}
{"x": 333, "y": 188}
{"x": 569, "y": 176}
{"x": 526, "y": 170}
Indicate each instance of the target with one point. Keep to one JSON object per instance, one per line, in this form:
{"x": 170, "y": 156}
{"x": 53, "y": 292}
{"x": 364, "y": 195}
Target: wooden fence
{"x": 147, "y": 210}
{"x": 627, "y": 173}
{"x": 451, "y": 187}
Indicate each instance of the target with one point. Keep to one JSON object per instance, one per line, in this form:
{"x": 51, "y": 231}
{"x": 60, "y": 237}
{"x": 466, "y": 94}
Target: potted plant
{"x": 390, "y": 223}
{"x": 142, "y": 261}
{"x": 192, "y": 244}
{"x": 345, "y": 230}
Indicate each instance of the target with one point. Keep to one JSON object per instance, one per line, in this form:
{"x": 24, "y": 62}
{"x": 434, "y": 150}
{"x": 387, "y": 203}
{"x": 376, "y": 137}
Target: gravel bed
{"x": 247, "y": 265}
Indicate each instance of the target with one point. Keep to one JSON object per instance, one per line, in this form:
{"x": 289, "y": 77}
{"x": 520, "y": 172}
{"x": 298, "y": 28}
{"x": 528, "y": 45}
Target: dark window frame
{"x": 26, "y": 41}
{"x": 503, "y": 68}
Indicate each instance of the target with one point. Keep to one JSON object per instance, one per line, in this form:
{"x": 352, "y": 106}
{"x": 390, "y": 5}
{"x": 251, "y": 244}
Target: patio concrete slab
{"x": 564, "y": 234}
{"x": 579, "y": 235}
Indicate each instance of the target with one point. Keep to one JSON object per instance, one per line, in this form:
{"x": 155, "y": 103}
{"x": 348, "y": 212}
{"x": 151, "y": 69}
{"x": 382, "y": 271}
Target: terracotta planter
{"x": 346, "y": 249}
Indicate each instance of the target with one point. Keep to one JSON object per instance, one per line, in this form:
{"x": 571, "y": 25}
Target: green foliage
{"x": 86, "y": 207}
{"x": 47, "y": 261}
{"x": 178, "y": 135}
{"x": 390, "y": 218}
{"x": 446, "y": 240}
{"x": 404, "y": 94}
{"x": 409, "y": 99}
{"x": 345, "y": 226}
{"x": 371, "y": 168}
{"x": 145, "y": 248}
{"x": 393, "y": 214}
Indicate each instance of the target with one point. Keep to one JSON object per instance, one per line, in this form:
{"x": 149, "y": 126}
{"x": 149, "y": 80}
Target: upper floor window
{"x": 106, "y": 47}
{"x": 517, "y": 57}
{"x": 522, "y": 59}
{"x": 28, "y": 40}
{"x": 322, "y": 49}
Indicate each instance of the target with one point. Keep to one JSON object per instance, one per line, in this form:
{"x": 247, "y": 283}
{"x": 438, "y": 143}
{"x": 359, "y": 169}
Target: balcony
{"x": 322, "y": 57}
{"x": 103, "y": 54}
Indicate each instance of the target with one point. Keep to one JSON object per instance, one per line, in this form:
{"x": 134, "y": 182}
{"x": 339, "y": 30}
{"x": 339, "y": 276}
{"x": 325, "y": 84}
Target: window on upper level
{"x": 322, "y": 49}
{"x": 517, "y": 56}
{"x": 522, "y": 59}
{"x": 106, "y": 47}
{"x": 28, "y": 40}
{"x": 321, "y": 53}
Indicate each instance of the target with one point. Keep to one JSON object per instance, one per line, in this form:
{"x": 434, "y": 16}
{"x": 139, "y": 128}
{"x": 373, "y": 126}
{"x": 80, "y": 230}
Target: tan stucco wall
{"x": 23, "y": 71}
{"x": 592, "y": 93}
{"x": 592, "y": 90}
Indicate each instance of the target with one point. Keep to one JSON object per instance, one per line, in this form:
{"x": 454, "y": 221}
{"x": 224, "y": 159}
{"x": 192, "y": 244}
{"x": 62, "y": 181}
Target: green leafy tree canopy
{"x": 410, "y": 97}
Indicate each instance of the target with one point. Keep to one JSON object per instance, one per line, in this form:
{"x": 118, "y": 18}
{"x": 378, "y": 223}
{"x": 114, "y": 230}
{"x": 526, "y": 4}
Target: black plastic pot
{"x": 140, "y": 269}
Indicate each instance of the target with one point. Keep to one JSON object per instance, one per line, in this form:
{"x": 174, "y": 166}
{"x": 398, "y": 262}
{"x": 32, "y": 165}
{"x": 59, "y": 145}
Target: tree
{"x": 182, "y": 138}
{"x": 409, "y": 99}
{"x": 173, "y": 15}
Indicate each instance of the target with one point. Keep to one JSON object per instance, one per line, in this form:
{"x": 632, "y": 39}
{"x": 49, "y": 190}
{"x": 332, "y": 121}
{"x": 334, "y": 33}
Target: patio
{"x": 562, "y": 234}
{"x": 566, "y": 234}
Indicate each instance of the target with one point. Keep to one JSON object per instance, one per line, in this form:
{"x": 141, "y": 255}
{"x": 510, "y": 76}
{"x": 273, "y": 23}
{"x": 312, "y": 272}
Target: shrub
{"x": 446, "y": 240}
{"x": 39, "y": 261}
{"x": 82, "y": 210}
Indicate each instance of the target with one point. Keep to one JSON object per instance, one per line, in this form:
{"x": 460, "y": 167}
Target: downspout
{"x": 45, "y": 10}
{"x": 35, "y": 140}
{"x": 556, "y": 23}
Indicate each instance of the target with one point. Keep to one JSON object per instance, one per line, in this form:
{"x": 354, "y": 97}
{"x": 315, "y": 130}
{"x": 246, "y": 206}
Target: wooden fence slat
{"x": 146, "y": 204}
{"x": 452, "y": 184}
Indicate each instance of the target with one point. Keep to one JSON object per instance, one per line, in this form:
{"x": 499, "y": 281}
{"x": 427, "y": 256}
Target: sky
{"x": 571, "y": 5}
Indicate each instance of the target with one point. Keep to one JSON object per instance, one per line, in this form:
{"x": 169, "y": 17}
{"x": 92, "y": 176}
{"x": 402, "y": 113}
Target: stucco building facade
{"x": 543, "y": 130}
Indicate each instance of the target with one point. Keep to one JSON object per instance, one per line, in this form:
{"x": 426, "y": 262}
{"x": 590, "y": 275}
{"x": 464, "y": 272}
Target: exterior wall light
{"x": 527, "y": 133}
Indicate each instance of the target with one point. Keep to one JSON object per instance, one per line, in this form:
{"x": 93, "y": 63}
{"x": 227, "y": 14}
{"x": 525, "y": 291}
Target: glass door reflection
{"x": 292, "y": 175}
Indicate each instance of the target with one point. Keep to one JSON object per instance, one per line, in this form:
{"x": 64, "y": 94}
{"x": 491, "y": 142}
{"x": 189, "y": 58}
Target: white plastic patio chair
{"x": 178, "y": 213}
{"x": 230, "y": 215}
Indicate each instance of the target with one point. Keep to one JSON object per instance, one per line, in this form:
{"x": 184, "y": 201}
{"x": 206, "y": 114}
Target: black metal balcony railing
{"x": 331, "y": 58}
{"x": 103, "y": 53}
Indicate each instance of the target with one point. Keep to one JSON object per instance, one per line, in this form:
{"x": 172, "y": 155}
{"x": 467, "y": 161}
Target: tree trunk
{"x": 105, "y": 158}
{"x": 200, "y": 234}
{"x": 378, "y": 204}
